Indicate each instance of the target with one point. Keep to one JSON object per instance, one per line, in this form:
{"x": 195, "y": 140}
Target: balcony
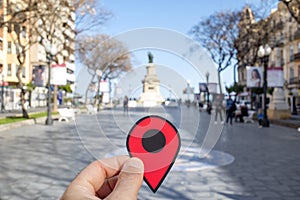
{"x": 294, "y": 80}
{"x": 279, "y": 43}
{"x": 297, "y": 35}
{"x": 1, "y": 57}
{"x": 292, "y": 58}
{"x": 279, "y": 25}
{"x": 297, "y": 56}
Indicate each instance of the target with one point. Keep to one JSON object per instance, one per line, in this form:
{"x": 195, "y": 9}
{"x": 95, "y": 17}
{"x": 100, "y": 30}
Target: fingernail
{"x": 134, "y": 165}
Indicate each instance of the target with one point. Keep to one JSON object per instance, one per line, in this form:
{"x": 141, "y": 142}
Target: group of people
{"x": 231, "y": 110}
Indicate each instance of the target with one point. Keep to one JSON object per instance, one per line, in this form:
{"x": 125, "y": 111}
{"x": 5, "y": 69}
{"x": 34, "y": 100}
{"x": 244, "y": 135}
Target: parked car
{"x": 171, "y": 103}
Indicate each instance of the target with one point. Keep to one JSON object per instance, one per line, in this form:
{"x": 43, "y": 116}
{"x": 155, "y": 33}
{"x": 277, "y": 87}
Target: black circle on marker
{"x": 153, "y": 141}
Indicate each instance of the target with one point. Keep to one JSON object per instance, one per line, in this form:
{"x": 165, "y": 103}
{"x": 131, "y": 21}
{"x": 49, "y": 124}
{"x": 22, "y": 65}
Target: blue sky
{"x": 174, "y": 15}
{"x": 178, "y": 15}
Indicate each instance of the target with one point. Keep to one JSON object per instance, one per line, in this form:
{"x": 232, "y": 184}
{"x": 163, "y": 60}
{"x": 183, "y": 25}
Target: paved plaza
{"x": 245, "y": 162}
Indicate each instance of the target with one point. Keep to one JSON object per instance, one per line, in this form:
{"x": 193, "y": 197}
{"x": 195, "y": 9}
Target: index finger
{"x": 93, "y": 176}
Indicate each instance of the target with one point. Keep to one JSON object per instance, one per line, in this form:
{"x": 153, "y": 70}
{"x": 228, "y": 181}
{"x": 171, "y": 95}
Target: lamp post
{"x": 264, "y": 53}
{"x": 99, "y": 75}
{"x": 50, "y": 51}
{"x": 188, "y": 92}
{"x": 207, "y": 91}
{"x": 2, "y": 92}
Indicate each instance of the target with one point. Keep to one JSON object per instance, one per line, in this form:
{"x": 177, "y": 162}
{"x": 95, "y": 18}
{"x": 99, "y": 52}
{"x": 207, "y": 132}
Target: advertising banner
{"x": 212, "y": 87}
{"x": 275, "y": 77}
{"x": 203, "y": 87}
{"x": 39, "y": 76}
{"x": 254, "y": 77}
{"x": 59, "y": 74}
{"x": 104, "y": 86}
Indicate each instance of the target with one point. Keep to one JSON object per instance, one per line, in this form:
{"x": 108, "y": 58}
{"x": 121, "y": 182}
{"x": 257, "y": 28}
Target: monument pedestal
{"x": 151, "y": 93}
{"x": 278, "y": 108}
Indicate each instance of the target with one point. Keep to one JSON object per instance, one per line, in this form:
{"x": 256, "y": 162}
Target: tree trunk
{"x": 219, "y": 80}
{"x": 23, "y": 92}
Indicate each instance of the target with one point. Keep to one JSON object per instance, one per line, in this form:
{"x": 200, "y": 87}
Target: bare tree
{"x": 89, "y": 15}
{"x": 50, "y": 23}
{"x": 105, "y": 58}
{"x": 217, "y": 34}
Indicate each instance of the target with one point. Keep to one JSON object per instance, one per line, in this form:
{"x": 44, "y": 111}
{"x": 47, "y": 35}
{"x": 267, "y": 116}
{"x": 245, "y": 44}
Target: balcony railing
{"x": 292, "y": 58}
{"x": 279, "y": 43}
{"x": 297, "y": 56}
{"x": 297, "y": 35}
{"x": 294, "y": 80}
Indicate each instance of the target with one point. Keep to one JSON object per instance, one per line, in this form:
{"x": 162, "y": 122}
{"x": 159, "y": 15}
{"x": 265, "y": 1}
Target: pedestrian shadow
{"x": 236, "y": 196}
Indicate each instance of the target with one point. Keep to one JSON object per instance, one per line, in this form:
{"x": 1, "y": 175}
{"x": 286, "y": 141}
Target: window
{"x": 17, "y": 28}
{"x": 298, "y": 47}
{"x": 292, "y": 75}
{"x": 23, "y": 72}
{"x": 291, "y": 53}
{"x": 9, "y": 70}
{"x": 69, "y": 71}
{"x": 23, "y": 32}
{"x": 9, "y": 48}
{"x": 17, "y": 48}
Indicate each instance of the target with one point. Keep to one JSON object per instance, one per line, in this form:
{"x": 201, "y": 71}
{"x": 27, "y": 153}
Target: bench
{"x": 249, "y": 118}
{"x": 66, "y": 114}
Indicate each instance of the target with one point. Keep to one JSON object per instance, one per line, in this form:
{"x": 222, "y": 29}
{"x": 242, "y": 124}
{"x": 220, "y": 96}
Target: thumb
{"x": 129, "y": 181}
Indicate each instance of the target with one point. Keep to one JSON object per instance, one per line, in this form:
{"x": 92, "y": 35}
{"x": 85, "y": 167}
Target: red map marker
{"x": 156, "y": 142}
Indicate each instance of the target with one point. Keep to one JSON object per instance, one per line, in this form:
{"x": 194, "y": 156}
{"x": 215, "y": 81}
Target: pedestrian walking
{"x": 218, "y": 102}
{"x": 125, "y": 104}
{"x": 260, "y": 117}
{"x": 230, "y": 109}
{"x": 208, "y": 108}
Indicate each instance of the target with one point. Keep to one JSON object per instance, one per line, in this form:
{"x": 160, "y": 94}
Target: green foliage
{"x": 66, "y": 88}
{"x": 258, "y": 90}
{"x": 261, "y": 90}
{"x": 14, "y": 119}
{"x": 236, "y": 87}
{"x": 30, "y": 86}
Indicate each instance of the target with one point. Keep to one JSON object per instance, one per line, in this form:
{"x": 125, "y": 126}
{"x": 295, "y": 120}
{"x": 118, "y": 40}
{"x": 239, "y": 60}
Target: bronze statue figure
{"x": 150, "y": 57}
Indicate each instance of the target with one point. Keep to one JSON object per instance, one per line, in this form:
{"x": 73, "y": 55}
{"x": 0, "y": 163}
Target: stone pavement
{"x": 38, "y": 161}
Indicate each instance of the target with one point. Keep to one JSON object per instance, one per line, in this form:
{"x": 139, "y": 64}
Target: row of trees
{"x": 232, "y": 38}
{"x": 104, "y": 57}
{"x": 52, "y": 23}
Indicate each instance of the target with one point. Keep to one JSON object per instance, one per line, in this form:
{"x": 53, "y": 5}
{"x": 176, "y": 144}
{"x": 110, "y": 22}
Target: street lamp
{"x": 50, "y": 51}
{"x": 207, "y": 91}
{"x": 2, "y": 93}
{"x": 264, "y": 53}
{"x": 99, "y": 75}
{"x": 188, "y": 91}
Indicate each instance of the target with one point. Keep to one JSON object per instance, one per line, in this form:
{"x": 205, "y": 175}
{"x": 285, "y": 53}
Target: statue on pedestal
{"x": 150, "y": 57}
{"x": 151, "y": 92}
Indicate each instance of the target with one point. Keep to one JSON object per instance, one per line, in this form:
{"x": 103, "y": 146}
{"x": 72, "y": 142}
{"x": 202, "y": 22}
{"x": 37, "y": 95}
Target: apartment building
{"x": 284, "y": 39}
{"x": 35, "y": 57}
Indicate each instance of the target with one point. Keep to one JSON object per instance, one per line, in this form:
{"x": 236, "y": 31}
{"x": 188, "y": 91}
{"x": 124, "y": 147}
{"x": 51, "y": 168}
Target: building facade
{"x": 283, "y": 35}
{"x": 34, "y": 56}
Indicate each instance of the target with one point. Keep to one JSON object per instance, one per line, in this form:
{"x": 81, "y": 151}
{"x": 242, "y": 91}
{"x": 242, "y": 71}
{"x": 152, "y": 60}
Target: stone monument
{"x": 151, "y": 93}
{"x": 278, "y": 107}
